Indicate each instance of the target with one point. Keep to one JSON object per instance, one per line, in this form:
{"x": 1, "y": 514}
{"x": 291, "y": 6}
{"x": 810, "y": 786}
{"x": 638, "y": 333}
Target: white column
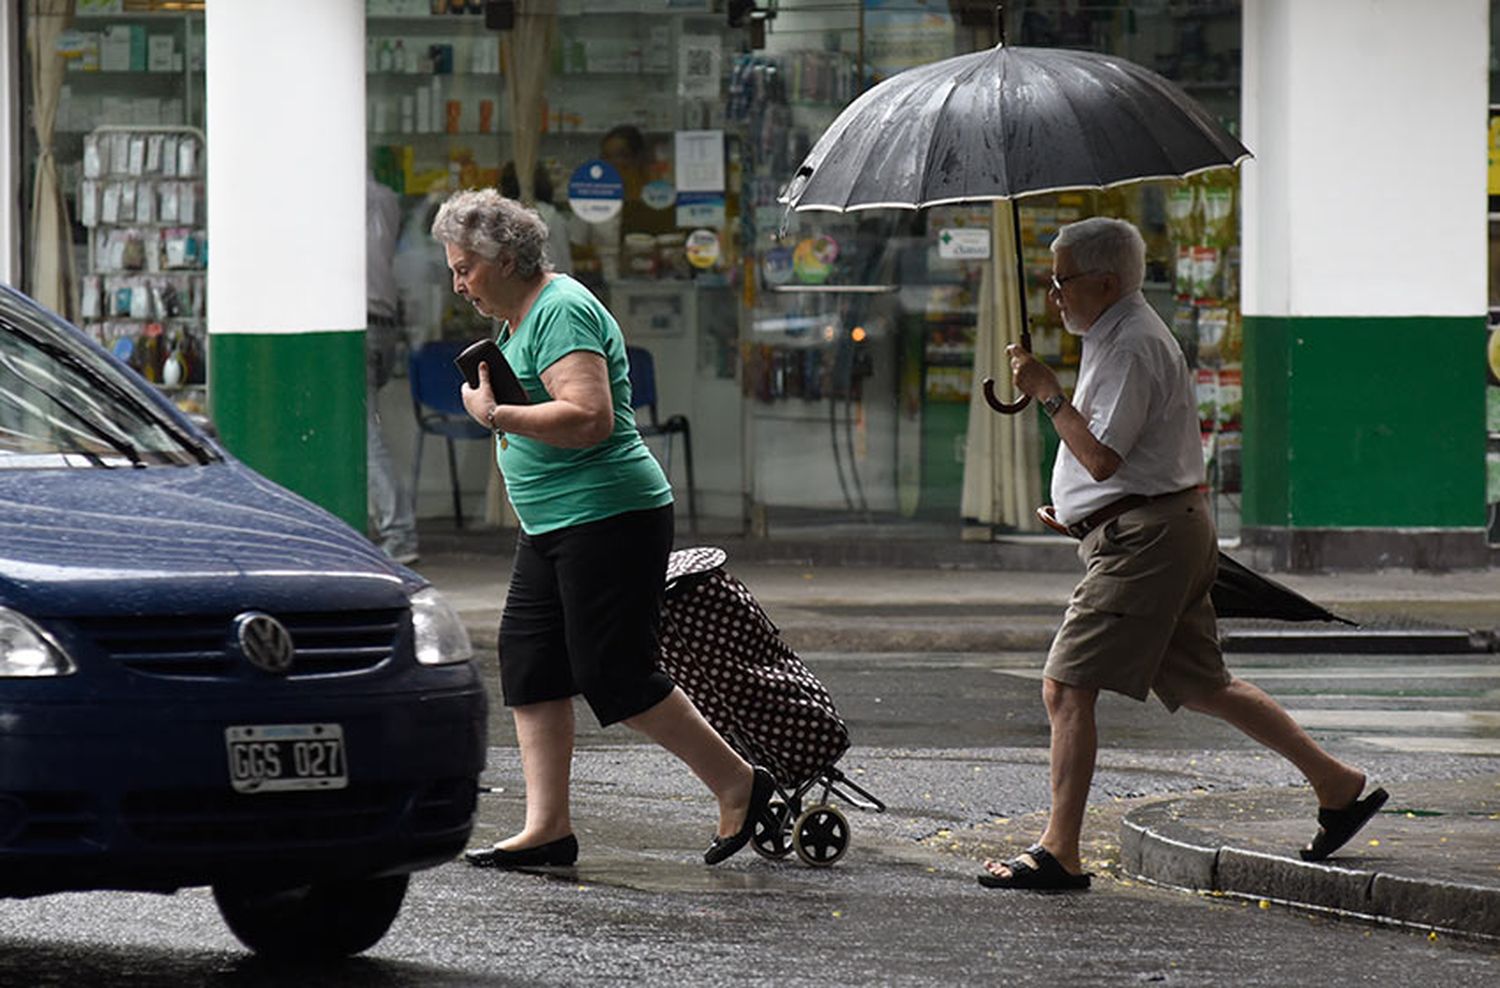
{"x": 286, "y": 162}
{"x": 286, "y": 242}
{"x": 1367, "y": 193}
{"x": 1364, "y": 281}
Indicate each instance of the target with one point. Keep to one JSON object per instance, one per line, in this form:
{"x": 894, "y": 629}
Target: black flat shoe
{"x": 563, "y": 851}
{"x": 761, "y": 792}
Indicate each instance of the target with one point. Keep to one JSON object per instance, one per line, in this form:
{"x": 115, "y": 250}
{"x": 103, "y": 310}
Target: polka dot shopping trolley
{"x": 726, "y": 654}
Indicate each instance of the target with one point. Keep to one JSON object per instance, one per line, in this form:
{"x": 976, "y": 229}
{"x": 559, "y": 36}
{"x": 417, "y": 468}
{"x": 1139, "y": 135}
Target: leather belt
{"x": 1115, "y": 509}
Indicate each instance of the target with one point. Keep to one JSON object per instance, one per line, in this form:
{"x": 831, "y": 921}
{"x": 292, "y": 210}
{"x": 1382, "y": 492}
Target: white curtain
{"x": 1002, "y": 455}
{"x": 51, "y": 269}
{"x": 526, "y": 57}
{"x": 526, "y": 54}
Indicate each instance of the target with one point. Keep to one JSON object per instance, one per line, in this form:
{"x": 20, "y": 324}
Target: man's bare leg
{"x": 1248, "y": 708}
{"x": 1074, "y": 747}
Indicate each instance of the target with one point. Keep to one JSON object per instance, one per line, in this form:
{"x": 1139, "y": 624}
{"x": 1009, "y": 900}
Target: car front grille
{"x": 198, "y": 818}
{"x": 201, "y": 646}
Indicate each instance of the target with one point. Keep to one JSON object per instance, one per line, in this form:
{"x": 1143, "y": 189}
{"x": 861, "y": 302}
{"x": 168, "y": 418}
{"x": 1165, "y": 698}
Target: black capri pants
{"x": 582, "y": 615}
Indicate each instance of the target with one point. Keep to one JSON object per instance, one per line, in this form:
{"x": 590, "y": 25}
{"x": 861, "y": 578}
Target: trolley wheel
{"x": 774, "y": 840}
{"x": 821, "y": 835}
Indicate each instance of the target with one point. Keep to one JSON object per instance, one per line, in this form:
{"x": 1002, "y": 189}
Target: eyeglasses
{"x": 1056, "y": 283}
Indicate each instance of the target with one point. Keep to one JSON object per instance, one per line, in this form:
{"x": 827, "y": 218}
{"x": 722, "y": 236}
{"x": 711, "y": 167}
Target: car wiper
{"x": 63, "y": 355}
{"x": 119, "y": 444}
{"x": 13, "y": 442}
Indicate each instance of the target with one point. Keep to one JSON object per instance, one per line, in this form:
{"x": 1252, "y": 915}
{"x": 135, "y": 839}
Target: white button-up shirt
{"x": 1136, "y": 391}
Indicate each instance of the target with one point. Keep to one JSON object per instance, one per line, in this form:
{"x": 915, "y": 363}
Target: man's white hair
{"x": 1102, "y": 243}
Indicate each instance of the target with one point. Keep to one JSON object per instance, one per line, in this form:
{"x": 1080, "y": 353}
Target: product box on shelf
{"x": 161, "y": 53}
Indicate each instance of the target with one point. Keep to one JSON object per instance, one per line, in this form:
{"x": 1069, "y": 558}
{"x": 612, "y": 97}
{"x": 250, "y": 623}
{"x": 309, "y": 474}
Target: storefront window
{"x": 826, "y": 362}
{"x": 861, "y": 339}
{"x": 127, "y": 136}
{"x": 627, "y": 117}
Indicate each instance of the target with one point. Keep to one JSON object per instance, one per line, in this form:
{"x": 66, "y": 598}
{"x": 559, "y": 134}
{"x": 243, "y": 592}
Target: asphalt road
{"x": 955, "y": 746}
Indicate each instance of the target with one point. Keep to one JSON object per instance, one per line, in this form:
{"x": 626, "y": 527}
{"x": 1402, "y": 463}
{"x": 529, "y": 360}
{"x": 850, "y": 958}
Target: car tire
{"x": 312, "y": 922}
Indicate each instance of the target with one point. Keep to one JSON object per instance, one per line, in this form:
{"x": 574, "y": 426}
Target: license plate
{"x": 278, "y": 757}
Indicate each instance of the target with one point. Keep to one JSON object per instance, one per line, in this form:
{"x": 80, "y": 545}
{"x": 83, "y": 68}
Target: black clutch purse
{"x": 503, "y": 380}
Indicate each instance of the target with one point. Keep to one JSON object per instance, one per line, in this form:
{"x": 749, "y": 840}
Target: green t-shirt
{"x": 552, "y": 487}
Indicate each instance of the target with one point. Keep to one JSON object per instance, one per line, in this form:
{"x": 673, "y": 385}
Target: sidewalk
{"x": 1430, "y": 858}
{"x": 1437, "y": 863}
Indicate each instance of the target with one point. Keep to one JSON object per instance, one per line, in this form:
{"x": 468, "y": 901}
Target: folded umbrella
{"x": 1239, "y": 591}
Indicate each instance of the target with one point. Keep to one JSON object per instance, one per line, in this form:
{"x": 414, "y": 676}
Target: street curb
{"x": 1156, "y": 846}
{"x": 1364, "y": 641}
{"x": 841, "y": 633}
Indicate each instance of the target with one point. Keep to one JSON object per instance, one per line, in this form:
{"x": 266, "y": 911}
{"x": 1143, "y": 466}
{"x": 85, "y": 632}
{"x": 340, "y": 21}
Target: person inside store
{"x": 625, "y": 148}
{"x": 582, "y": 613}
{"x": 559, "y": 250}
{"x": 1128, "y": 482}
{"x": 392, "y": 513}
{"x": 602, "y": 245}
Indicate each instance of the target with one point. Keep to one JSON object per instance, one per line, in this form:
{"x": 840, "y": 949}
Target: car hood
{"x": 182, "y": 540}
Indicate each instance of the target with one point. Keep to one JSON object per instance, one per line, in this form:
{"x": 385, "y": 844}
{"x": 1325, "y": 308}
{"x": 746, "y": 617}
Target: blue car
{"x": 204, "y": 678}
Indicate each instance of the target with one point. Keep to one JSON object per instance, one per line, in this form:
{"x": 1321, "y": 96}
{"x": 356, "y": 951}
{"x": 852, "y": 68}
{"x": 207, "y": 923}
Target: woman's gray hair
{"x": 488, "y": 224}
{"x": 1102, "y": 243}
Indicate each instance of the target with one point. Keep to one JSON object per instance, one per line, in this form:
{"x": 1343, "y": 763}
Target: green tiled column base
{"x": 292, "y": 406}
{"x": 1364, "y": 423}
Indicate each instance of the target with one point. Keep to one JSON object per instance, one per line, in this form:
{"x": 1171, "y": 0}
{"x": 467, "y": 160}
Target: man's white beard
{"x": 1072, "y": 326}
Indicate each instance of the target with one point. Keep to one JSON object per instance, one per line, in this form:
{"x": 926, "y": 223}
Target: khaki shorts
{"x": 1141, "y": 619}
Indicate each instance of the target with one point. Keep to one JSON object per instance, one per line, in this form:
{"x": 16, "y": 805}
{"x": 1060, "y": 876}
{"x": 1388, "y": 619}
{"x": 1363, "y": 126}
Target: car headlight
{"x": 27, "y": 650}
{"x": 440, "y": 635}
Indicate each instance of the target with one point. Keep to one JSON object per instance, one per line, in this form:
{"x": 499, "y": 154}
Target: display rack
{"x": 143, "y": 293}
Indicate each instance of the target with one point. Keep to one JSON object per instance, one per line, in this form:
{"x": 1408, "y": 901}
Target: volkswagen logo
{"x": 264, "y": 641}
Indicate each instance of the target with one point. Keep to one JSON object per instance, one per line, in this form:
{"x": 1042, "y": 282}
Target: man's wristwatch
{"x": 1053, "y": 404}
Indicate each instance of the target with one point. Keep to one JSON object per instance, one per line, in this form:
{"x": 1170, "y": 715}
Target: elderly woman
{"x": 596, "y": 528}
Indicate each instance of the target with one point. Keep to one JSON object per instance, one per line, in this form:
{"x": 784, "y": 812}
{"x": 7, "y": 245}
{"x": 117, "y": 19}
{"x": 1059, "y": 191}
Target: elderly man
{"x": 1127, "y": 482}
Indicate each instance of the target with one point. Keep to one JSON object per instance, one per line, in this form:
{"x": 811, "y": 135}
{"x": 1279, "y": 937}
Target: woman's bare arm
{"x": 581, "y": 412}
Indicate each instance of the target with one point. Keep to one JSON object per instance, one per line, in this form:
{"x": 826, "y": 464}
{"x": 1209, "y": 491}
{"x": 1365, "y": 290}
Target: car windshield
{"x": 63, "y": 404}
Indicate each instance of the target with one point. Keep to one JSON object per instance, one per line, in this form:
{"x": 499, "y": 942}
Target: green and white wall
{"x": 286, "y": 213}
{"x": 1364, "y": 281}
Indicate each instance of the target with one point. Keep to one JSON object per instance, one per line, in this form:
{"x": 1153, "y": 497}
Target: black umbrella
{"x": 1242, "y": 592}
{"x": 1008, "y": 122}
{"x": 1004, "y": 123}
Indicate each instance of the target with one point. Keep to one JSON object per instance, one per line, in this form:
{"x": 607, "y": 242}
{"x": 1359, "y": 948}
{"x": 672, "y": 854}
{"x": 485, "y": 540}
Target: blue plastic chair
{"x": 439, "y": 408}
{"x": 643, "y": 395}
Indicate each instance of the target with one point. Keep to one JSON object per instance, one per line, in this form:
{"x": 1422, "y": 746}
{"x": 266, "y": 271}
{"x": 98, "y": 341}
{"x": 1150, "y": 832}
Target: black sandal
{"x": 1336, "y": 827}
{"x": 1035, "y": 868}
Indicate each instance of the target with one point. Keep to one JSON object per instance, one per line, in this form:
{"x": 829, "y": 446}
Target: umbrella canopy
{"x": 1004, "y": 123}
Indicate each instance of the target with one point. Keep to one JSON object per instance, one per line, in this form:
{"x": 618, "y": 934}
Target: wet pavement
{"x": 1431, "y": 858}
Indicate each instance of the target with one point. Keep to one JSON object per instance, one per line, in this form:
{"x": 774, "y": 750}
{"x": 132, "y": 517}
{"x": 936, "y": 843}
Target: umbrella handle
{"x": 1000, "y": 406}
{"x": 1008, "y": 408}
